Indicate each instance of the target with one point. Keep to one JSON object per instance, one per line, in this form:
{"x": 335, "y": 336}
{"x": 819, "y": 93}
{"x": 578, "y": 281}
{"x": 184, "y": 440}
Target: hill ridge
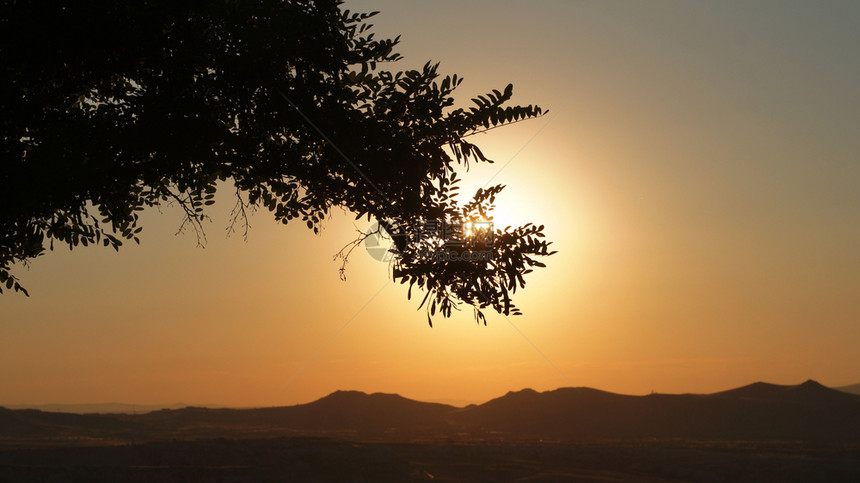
{"x": 757, "y": 411}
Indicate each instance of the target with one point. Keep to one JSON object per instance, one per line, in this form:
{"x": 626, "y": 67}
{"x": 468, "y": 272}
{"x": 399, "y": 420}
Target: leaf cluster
{"x": 113, "y": 107}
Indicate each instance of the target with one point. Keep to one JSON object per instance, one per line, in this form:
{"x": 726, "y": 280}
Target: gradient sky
{"x": 699, "y": 173}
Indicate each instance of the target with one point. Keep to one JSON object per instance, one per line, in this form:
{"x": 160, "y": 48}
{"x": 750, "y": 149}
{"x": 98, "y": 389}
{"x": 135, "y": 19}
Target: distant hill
{"x": 759, "y": 411}
{"x": 810, "y": 391}
{"x": 853, "y": 389}
{"x": 342, "y": 413}
{"x": 102, "y": 408}
{"x": 32, "y": 423}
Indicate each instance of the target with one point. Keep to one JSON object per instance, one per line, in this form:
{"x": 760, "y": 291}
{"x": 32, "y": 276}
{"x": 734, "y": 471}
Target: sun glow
{"x": 512, "y": 214}
{"x": 477, "y": 227}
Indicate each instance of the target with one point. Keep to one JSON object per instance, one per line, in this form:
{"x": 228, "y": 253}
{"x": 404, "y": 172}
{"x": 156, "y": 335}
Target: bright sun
{"x": 474, "y": 228}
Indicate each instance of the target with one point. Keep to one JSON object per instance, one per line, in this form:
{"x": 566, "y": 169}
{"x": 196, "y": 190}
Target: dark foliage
{"x": 112, "y": 107}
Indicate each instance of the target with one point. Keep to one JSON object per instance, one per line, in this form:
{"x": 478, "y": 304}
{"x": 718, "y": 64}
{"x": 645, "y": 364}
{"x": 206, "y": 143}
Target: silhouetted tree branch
{"x": 112, "y": 107}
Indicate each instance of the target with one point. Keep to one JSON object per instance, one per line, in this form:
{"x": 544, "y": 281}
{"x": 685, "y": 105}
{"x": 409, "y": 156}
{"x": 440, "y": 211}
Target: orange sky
{"x": 698, "y": 174}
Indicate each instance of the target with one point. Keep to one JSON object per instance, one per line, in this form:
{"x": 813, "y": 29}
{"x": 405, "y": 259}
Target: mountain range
{"x": 756, "y": 412}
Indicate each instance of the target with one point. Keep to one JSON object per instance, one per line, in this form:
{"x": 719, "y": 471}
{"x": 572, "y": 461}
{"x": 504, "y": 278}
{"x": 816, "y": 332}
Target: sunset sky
{"x": 698, "y": 172}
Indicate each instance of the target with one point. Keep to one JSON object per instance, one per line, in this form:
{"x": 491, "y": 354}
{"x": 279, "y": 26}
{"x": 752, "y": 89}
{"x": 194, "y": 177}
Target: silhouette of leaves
{"x": 113, "y": 107}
